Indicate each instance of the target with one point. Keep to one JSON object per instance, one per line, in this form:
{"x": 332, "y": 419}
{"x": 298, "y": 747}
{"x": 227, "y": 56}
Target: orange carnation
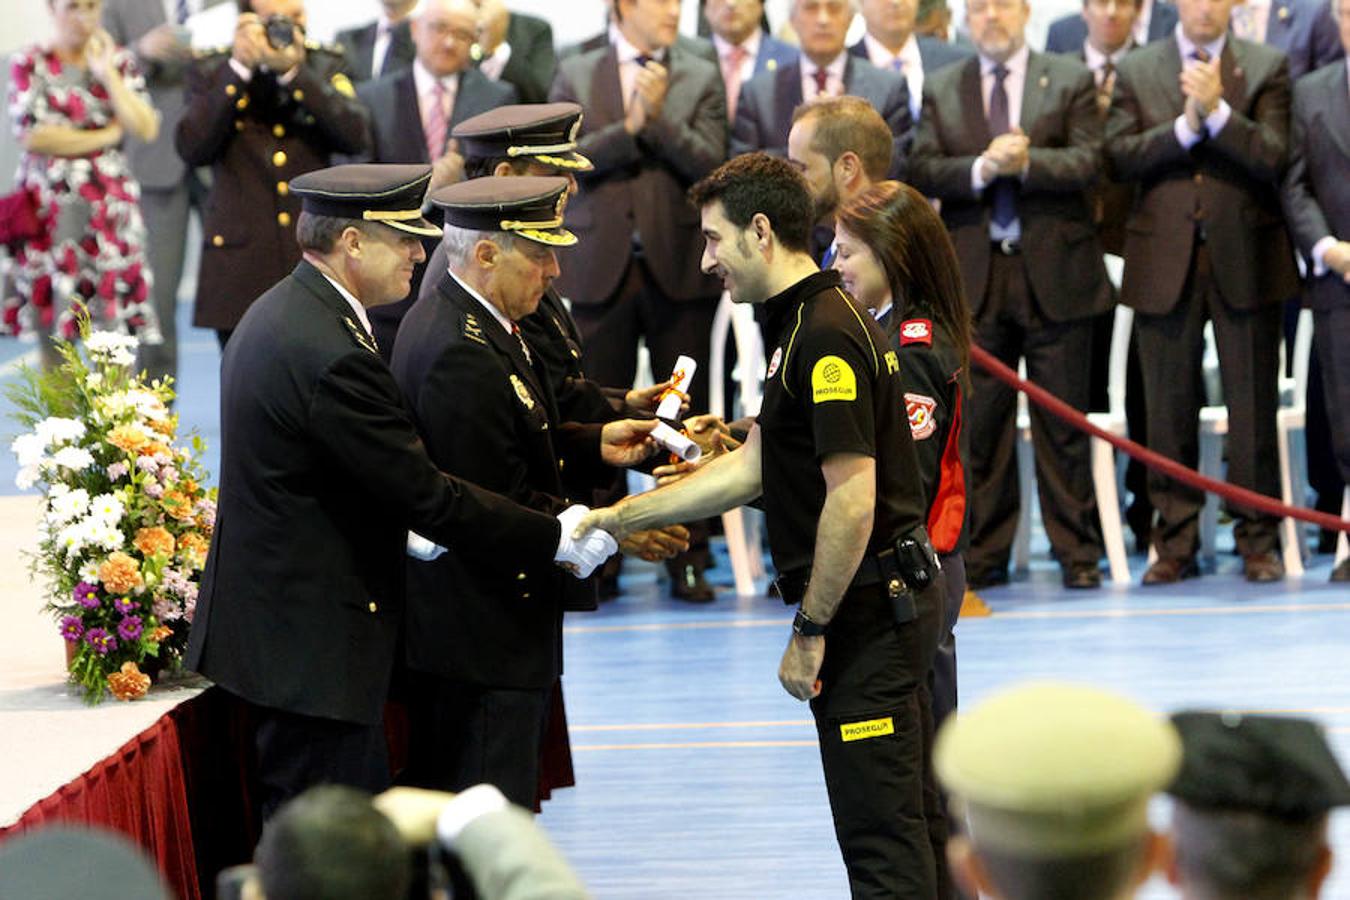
{"x": 160, "y": 634}
{"x": 120, "y": 574}
{"x": 177, "y": 504}
{"x": 192, "y": 549}
{"x": 152, "y": 541}
{"x": 154, "y": 448}
{"x": 130, "y": 438}
{"x": 130, "y": 683}
{"x": 163, "y": 426}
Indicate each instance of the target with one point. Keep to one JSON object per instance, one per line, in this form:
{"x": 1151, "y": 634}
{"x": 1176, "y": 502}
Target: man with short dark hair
{"x": 322, "y": 475}
{"x": 1252, "y": 802}
{"x": 744, "y": 46}
{"x": 832, "y": 457}
{"x": 892, "y": 44}
{"x": 382, "y": 46}
{"x": 1155, "y": 21}
{"x": 1009, "y": 142}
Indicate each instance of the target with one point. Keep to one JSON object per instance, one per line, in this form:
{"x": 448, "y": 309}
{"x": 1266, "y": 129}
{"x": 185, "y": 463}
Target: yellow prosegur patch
{"x": 861, "y": 731}
{"x": 833, "y": 379}
{"x": 892, "y": 362}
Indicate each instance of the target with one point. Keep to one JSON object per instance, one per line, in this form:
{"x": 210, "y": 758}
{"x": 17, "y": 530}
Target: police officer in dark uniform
{"x": 259, "y": 113}
{"x": 832, "y": 456}
{"x": 487, "y": 645}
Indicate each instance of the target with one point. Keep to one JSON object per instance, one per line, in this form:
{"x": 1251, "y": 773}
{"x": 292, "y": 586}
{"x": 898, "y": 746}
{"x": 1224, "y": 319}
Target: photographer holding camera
{"x": 260, "y": 112}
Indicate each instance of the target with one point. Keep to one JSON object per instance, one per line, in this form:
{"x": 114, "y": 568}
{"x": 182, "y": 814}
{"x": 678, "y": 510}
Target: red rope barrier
{"x": 1058, "y": 408}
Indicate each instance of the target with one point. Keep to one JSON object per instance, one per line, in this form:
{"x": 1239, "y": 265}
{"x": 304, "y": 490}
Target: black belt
{"x": 1007, "y": 247}
{"x": 884, "y": 569}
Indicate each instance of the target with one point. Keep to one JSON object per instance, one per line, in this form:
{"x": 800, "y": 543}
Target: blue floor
{"x": 698, "y": 776}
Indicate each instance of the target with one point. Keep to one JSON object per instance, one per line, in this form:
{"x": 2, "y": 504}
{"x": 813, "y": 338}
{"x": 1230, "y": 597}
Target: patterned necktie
{"x": 731, "y": 76}
{"x": 180, "y": 11}
{"x": 898, "y": 66}
{"x": 436, "y": 123}
{"x": 821, "y": 77}
{"x": 1003, "y": 190}
{"x": 524, "y": 348}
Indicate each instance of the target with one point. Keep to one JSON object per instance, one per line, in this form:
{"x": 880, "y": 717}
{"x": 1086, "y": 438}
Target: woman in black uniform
{"x": 896, "y": 259}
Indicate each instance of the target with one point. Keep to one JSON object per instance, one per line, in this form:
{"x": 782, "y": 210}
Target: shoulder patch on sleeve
{"x": 833, "y": 379}
{"x": 472, "y": 330}
{"x": 916, "y": 331}
{"x": 920, "y": 409}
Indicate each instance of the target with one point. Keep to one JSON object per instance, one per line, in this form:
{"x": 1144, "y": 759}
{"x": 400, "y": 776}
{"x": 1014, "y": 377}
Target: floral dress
{"x": 91, "y": 249}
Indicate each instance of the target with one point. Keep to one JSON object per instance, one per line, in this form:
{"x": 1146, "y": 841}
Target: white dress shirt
{"x": 1249, "y": 20}
{"x": 628, "y": 63}
{"x": 1218, "y": 117}
{"x": 384, "y": 27}
{"x": 1141, "y": 22}
{"x": 1014, "y": 85}
{"x": 492, "y": 66}
{"x": 910, "y": 66}
{"x": 1095, "y": 60}
{"x": 496, "y": 313}
{"x": 425, "y": 83}
{"x": 357, "y": 308}
{"x": 834, "y": 77}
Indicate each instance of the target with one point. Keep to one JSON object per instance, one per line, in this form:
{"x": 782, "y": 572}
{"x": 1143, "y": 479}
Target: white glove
{"x": 582, "y": 556}
{"x": 423, "y": 549}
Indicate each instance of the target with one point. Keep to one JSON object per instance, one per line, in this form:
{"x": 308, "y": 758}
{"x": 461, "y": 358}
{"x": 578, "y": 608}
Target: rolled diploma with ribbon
{"x": 680, "y": 379}
{"x": 676, "y": 443}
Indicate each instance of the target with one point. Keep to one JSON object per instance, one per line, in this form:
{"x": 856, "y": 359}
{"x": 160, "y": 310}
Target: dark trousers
{"x": 1011, "y": 326}
{"x": 166, "y": 212}
{"x": 640, "y": 309}
{"x": 875, "y": 727}
{"x": 1332, "y": 336}
{"x": 296, "y": 752}
{"x": 465, "y": 734}
{"x": 942, "y": 677}
{"x": 1171, "y": 347}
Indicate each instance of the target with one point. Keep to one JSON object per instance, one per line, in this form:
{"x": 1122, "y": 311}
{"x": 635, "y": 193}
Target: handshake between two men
{"x": 582, "y": 547}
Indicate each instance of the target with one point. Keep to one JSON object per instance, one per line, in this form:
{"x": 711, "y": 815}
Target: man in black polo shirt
{"x": 832, "y": 457}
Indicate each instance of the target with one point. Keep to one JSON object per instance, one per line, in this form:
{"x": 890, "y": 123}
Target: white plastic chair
{"x": 741, "y": 525}
{"x": 1343, "y": 542}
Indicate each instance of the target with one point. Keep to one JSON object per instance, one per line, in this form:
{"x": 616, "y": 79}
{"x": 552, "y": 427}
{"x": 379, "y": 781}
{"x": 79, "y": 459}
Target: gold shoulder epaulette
{"x": 472, "y": 330}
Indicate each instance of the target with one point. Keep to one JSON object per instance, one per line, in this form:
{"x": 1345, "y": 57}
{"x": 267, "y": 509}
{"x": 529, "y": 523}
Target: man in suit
{"x": 260, "y": 114}
{"x": 1010, "y": 141}
{"x": 383, "y": 46}
{"x": 744, "y": 47}
{"x": 891, "y": 44}
{"x": 1302, "y": 29}
{"x": 1316, "y": 200}
{"x": 412, "y": 113}
{"x": 1157, "y": 19}
{"x": 486, "y": 646}
{"x": 1201, "y": 122}
{"x": 655, "y": 123}
{"x": 517, "y": 49}
{"x": 170, "y": 190}
{"x": 322, "y": 474}
{"x": 825, "y": 68}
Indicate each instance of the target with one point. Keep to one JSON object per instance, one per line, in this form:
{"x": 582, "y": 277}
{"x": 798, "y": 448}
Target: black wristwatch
{"x": 803, "y": 626}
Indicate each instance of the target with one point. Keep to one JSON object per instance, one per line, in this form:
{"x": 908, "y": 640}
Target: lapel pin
{"x": 1282, "y": 13}
{"x": 771, "y": 65}
{"x": 1045, "y": 81}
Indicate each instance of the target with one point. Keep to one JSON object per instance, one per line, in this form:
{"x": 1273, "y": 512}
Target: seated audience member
{"x": 1055, "y": 781}
{"x": 1252, "y": 802}
{"x": 77, "y": 861}
{"x": 382, "y": 46}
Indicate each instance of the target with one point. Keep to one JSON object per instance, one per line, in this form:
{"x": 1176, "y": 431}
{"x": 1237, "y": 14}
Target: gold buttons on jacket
{"x": 520, "y": 576}
{"x": 238, "y": 124}
{"x": 242, "y": 102}
{"x": 298, "y": 95}
{"x": 278, "y": 131}
{"x": 283, "y": 188}
{"x": 561, "y": 464}
{"x": 217, "y": 241}
{"x": 231, "y": 90}
{"x": 525, "y": 596}
{"x": 279, "y": 158}
{"x": 283, "y": 219}
{"x": 373, "y": 607}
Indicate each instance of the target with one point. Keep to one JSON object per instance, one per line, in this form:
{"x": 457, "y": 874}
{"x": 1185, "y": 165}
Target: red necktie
{"x": 436, "y": 123}
{"x": 821, "y": 76}
{"x": 731, "y": 76}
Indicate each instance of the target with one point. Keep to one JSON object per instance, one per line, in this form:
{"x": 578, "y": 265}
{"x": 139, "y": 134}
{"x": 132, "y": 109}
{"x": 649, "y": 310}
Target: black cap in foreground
{"x": 530, "y": 207}
{"x": 546, "y": 132}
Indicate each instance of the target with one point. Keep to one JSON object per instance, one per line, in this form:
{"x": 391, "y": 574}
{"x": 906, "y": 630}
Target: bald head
{"x": 443, "y": 31}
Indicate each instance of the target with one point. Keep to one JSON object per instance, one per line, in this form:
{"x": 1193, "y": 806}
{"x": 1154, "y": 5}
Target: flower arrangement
{"x": 126, "y": 519}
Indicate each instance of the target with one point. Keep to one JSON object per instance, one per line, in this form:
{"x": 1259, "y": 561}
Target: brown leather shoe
{"x": 1170, "y": 571}
{"x": 1262, "y": 567}
{"x": 1342, "y": 571}
{"x": 1081, "y": 576}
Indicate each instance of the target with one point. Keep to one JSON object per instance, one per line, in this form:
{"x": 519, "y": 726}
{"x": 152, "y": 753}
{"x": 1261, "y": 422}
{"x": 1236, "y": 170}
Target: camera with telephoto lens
{"x": 280, "y": 31}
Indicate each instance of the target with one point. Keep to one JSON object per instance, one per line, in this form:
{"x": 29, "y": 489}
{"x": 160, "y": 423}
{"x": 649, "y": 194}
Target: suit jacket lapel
{"x": 1167, "y": 75}
{"x": 1233, "y": 75}
{"x": 314, "y": 281}
{"x": 408, "y": 114}
{"x": 971, "y": 103}
{"x": 502, "y": 340}
{"x": 1338, "y": 108}
{"x": 1279, "y": 24}
{"x": 365, "y": 50}
{"x": 607, "y": 89}
{"x": 787, "y": 96}
{"x": 1033, "y": 91}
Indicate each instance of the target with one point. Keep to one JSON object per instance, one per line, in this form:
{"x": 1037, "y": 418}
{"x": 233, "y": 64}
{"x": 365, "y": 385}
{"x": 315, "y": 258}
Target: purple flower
{"x": 124, "y": 605}
{"x": 168, "y": 474}
{"x": 100, "y": 641}
{"x": 118, "y": 470}
{"x": 147, "y": 464}
{"x": 72, "y": 628}
{"x": 165, "y": 608}
{"x": 130, "y": 628}
{"x": 86, "y": 595}
{"x": 154, "y": 489}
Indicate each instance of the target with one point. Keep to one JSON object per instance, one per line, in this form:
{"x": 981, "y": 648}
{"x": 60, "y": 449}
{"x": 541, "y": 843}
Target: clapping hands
{"x": 582, "y": 547}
